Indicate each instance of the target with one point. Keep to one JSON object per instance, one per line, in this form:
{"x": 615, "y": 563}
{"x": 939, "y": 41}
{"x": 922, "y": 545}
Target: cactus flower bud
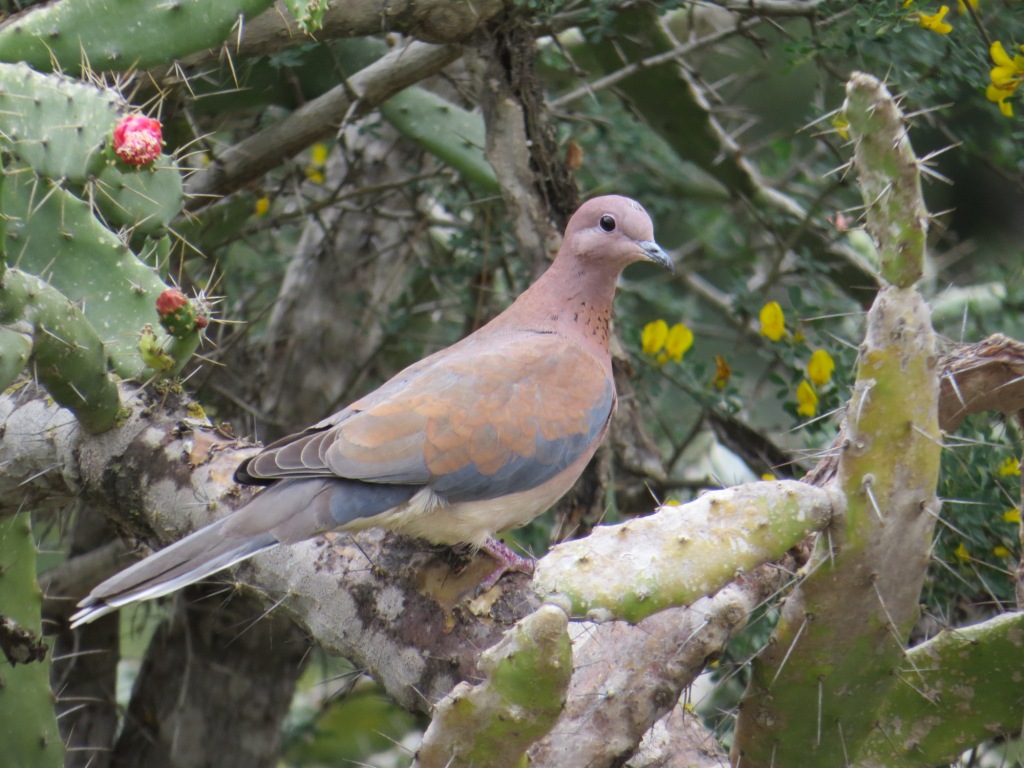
{"x": 152, "y": 353}
{"x": 170, "y": 301}
{"x": 137, "y": 140}
{"x": 179, "y": 316}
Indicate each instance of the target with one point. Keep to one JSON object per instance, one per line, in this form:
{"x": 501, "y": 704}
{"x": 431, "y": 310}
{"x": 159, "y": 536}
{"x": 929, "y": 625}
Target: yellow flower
{"x": 999, "y": 96}
{"x": 680, "y": 339}
{"x": 820, "y": 367}
{"x": 961, "y": 553}
{"x": 768, "y": 476}
{"x": 1006, "y": 77}
{"x": 262, "y": 206}
{"x": 1009, "y": 468}
{"x": 318, "y": 154}
{"x": 773, "y": 322}
{"x": 317, "y": 158}
{"x": 806, "y": 399}
{"x": 1011, "y": 516}
{"x": 842, "y": 126}
{"x": 722, "y": 372}
{"x": 961, "y": 6}
{"x": 653, "y": 337}
{"x": 934, "y": 22}
{"x": 1000, "y": 551}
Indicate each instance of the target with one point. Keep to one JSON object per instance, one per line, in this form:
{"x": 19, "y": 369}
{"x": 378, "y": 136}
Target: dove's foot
{"x": 508, "y": 561}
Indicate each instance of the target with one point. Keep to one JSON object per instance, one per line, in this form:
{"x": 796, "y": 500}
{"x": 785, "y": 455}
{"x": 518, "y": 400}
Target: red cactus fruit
{"x": 137, "y": 140}
{"x": 179, "y": 316}
{"x": 170, "y": 301}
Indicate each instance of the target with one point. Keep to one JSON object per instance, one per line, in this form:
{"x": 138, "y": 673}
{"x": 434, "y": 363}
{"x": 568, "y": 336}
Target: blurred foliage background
{"x": 385, "y": 241}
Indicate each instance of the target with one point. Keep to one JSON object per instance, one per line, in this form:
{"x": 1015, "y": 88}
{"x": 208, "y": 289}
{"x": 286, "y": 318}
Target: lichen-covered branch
{"x": 889, "y": 179}
{"x": 680, "y": 554}
{"x": 848, "y": 620}
{"x": 627, "y": 677}
{"x": 493, "y": 722}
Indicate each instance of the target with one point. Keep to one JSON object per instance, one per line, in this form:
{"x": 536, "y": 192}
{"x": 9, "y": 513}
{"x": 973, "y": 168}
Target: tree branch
{"x": 431, "y": 21}
{"x": 361, "y": 94}
{"x": 627, "y": 677}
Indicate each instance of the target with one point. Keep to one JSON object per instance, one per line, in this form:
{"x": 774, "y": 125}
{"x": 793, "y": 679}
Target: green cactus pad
{"x": 67, "y": 355}
{"x": 31, "y": 738}
{"x": 118, "y": 35}
{"x": 145, "y": 200}
{"x": 15, "y": 348}
{"x": 53, "y": 124}
{"x": 53, "y": 234}
{"x": 444, "y": 129}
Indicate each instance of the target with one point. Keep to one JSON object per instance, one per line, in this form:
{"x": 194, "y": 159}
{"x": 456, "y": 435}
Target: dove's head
{"x": 615, "y": 231}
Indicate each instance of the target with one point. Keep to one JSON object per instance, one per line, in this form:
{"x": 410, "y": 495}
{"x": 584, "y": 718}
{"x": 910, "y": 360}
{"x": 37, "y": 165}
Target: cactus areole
{"x": 137, "y": 140}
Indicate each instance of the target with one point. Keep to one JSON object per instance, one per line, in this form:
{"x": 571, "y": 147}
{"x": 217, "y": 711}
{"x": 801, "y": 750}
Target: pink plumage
{"x": 477, "y": 438}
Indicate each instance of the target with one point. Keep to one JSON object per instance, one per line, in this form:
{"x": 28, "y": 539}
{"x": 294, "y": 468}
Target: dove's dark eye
{"x": 607, "y": 223}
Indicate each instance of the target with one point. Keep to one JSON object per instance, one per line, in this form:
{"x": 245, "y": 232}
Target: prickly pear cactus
{"x": 77, "y": 297}
{"x": 53, "y": 234}
{"x": 64, "y": 347}
{"x": 145, "y": 201}
{"x": 54, "y": 124}
{"x": 117, "y": 35}
{"x": 30, "y": 736}
{"x": 179, "y": 316}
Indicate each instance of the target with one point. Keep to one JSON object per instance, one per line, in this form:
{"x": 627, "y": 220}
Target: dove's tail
{"x": 195, "y": 557}
{"x": 284, "y": 513}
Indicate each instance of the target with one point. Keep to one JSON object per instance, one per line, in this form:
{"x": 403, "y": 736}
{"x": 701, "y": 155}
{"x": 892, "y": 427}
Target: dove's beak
{"x": 655, "y": 253}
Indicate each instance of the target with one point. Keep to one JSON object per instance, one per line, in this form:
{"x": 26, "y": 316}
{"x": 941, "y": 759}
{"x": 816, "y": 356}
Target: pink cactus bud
{"x": 137, "y": 140}
{"x": 170, "y": 301}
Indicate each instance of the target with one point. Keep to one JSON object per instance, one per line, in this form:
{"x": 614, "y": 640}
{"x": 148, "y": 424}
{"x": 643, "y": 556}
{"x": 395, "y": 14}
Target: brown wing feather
{"x": 472, "y": 406}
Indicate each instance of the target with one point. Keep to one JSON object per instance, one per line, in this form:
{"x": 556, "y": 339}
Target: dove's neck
{"x": 572, "y": 301}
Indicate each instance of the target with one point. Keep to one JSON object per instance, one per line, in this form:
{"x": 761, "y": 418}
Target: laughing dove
{"x": 480, "y": 437}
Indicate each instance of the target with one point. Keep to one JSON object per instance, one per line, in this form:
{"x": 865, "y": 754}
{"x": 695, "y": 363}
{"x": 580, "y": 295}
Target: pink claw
{"x": 508, "y": 561}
